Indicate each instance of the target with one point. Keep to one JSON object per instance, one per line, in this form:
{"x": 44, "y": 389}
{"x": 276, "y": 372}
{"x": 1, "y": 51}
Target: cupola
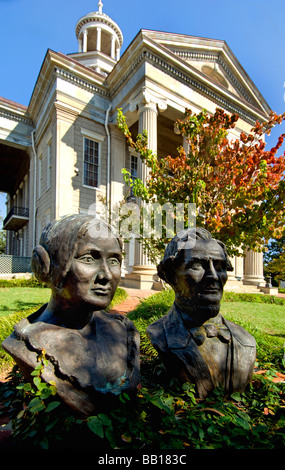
{"x": 99, "y": 41}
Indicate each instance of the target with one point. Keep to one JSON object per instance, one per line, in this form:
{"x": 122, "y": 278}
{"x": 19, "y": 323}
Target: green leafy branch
{"x": 37, "y": 415}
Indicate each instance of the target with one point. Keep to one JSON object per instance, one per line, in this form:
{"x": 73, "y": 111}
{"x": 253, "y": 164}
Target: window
{"x": 91, "y": 163}
{"x": 48, "y": 166}
{"x": 134, "y": 166}
{"x": 134, "y": 171}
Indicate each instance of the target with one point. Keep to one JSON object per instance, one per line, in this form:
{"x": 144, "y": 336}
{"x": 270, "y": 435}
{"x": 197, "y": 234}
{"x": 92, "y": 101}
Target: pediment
{"x": 216, "y": 68}
{"x": 215, "y": 62}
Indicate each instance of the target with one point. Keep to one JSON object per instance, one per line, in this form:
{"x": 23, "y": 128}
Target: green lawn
{"x": 15, "y": 299}
{"x": 266, "y": 322}
{"x": 22, "y": 298}
{"x": 269, "y": 318}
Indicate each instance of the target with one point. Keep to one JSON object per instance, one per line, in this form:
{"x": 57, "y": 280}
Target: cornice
{"x": 13, "y": 116}
{"x": 80, "y": 82}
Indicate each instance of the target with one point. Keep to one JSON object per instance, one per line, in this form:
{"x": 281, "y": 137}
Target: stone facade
{"x": 64, "y": 152}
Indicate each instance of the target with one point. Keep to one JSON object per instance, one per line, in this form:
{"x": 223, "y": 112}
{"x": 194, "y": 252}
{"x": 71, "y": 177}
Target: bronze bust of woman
{"x": 91, "y": 353}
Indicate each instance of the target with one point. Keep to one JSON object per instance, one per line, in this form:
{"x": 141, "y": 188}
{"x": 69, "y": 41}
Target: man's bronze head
{"x": 196, "y": 265}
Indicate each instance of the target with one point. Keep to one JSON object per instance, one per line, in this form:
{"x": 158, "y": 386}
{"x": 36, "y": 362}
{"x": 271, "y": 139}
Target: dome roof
{"x": 97, "y": 18}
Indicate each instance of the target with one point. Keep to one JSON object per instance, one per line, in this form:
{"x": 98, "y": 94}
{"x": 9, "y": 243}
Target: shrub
{"x": 7, "y": 322}
{"x": 154, "y": 306}
{"x": 31, "y": 408}
{"x": 256, "y": 298}
{"x": 162, "y": 416}
{"x": 32, "y": 282}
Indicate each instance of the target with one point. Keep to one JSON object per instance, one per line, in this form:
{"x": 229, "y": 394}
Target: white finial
{"x": 100, "y": 6}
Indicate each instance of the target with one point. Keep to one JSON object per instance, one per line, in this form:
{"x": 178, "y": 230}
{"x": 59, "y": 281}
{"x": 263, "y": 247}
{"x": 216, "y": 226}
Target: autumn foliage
{"x": 237, "y": 185}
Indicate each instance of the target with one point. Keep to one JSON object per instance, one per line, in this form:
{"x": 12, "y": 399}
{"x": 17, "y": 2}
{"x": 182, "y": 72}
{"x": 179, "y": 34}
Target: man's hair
{"x": 51, "y": 259}
{"x": 185, "y": 239}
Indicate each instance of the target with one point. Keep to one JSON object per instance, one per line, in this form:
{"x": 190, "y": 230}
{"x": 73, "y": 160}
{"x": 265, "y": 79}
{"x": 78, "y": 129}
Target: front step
{"x": 239, "y": 287}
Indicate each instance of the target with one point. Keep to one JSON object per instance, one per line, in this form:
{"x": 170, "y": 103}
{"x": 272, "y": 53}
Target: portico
{"x": 151, "y": 113}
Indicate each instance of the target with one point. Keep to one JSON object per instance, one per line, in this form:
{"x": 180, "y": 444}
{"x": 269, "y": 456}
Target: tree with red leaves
{"x": 237, "y": 185}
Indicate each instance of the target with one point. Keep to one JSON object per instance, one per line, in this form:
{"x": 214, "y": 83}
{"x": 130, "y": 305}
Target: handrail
{"x": 17, "y": 210}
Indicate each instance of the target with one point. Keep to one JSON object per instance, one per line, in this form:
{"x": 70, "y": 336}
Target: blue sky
{"x": 253, "y": 29}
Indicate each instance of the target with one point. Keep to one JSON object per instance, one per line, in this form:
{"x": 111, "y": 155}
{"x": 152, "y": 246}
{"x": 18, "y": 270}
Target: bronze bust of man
{"x": 92, "y": 354}
{"x": 193, "y": 339}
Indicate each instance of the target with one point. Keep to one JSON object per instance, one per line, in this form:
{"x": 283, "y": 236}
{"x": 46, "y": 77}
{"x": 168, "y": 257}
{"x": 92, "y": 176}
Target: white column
{"x": 142, "y": 275}
{"x": 113, "y": 46}
{"x": 148, "y": 122}
{"x": 231, "y": 274}
{"x": 237, "y": 263}
{"x": 253, "y": 268}
{"x": 98, "y": 45}
{"x": 239, "y": 267}
{"x": 79, "y": 44}
{"x": 85, "y": 33}
{"x": 148, "y": 105}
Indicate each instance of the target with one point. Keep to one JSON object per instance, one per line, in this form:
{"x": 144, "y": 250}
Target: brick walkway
{"x": 134, "y": 298}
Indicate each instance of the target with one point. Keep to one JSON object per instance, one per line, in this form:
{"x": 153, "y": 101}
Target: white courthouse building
{"x": 64, "y": 151}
